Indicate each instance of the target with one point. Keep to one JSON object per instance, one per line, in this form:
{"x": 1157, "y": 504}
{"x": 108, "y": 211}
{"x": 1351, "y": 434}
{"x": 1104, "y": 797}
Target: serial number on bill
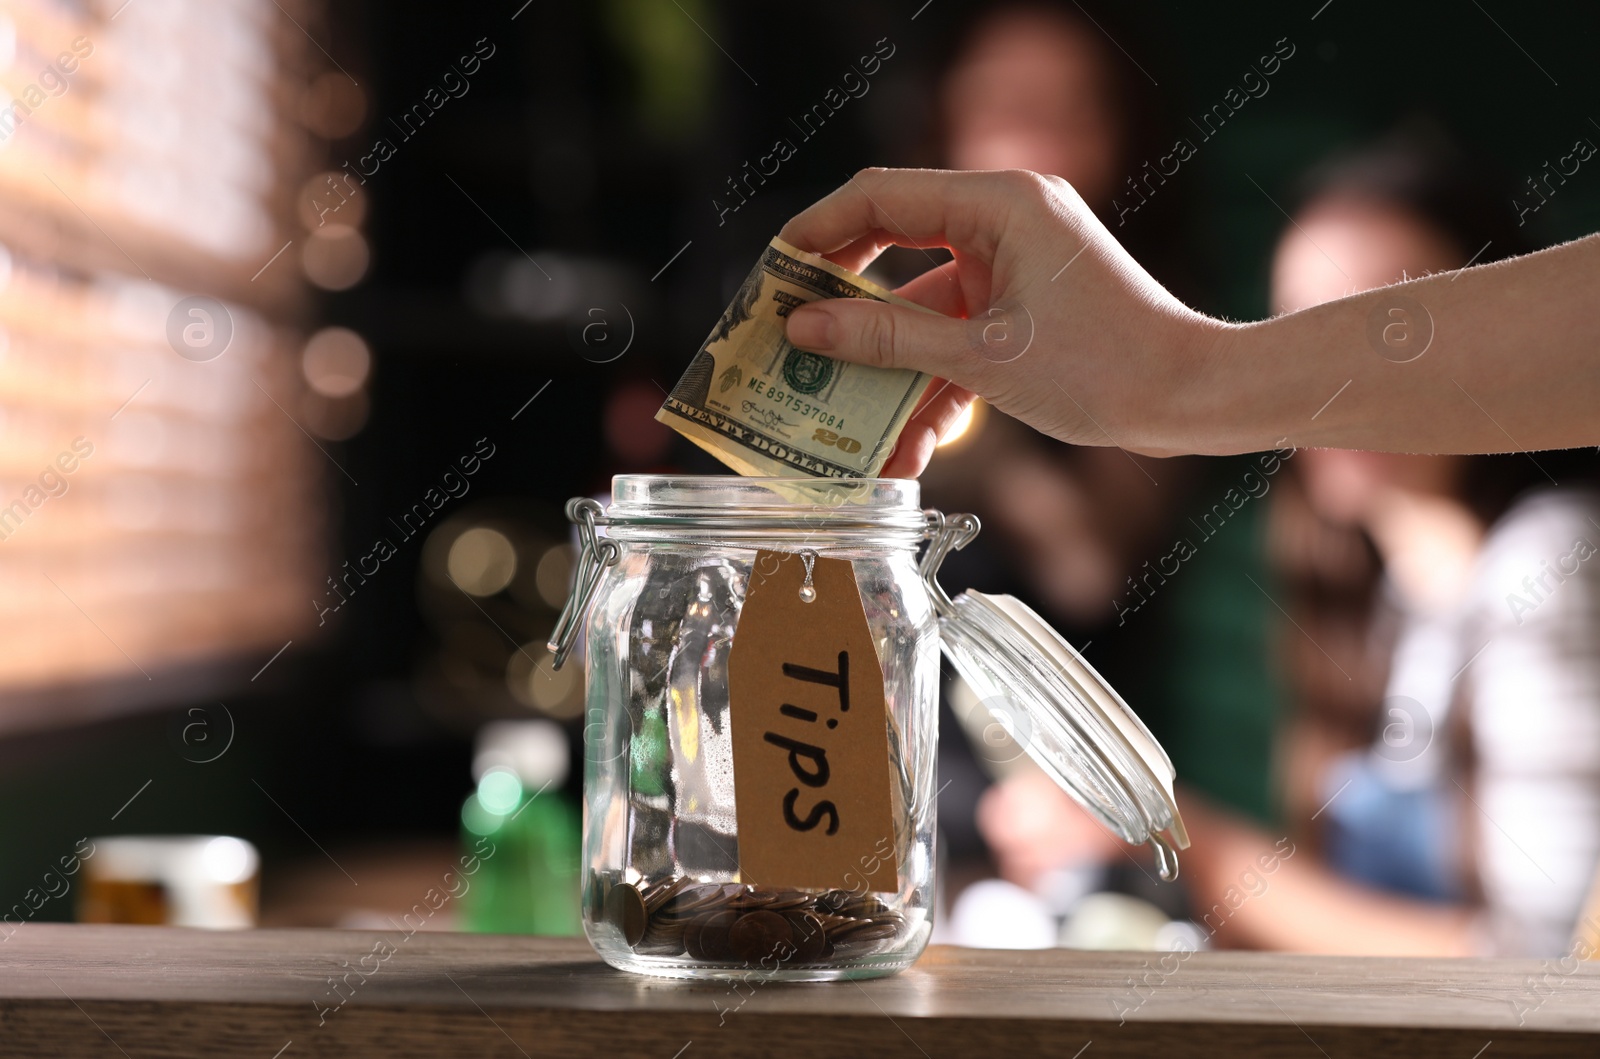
{"x": 804, "y": 408}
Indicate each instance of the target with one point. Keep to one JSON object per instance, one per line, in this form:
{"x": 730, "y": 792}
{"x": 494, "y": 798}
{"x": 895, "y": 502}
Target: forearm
{"x": 1491, "y": 359}
{"x": 1306, "y": 908}
{"x": 1254, "y": 893}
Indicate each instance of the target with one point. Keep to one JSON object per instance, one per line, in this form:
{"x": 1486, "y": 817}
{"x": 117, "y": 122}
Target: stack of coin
{"x": 737, "y": 923}
{"x": 663, "y": 933}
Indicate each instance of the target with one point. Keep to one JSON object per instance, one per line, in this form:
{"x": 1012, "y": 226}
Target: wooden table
{"x": 81, "y": 990}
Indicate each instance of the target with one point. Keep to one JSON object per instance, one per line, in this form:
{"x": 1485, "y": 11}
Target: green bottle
{"x": 524, "y": 831}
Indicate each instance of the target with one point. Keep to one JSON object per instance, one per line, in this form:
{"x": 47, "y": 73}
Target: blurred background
{"x": 313, "y": 314}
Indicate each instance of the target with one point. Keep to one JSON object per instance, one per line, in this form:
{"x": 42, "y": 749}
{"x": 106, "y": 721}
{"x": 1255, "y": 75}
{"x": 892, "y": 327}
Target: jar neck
{"x": 786, "y": 539}
{"x": 791, "y": 513}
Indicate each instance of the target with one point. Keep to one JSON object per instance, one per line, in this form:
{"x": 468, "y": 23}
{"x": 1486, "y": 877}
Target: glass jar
{"x": 663, "y": 575}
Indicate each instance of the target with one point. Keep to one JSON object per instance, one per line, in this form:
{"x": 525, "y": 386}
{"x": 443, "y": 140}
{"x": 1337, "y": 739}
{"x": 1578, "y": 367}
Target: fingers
{"x": 942, "y": 406}
{"x": 880, "y": 335}
{"x": 935, "y": 415}
{"x": 939, "y": 289}
{"x": 911, "y": 207}
{"x": 861, "y": 252}
{"x": 912, "y": 453}
{"x": 864, "y": 251}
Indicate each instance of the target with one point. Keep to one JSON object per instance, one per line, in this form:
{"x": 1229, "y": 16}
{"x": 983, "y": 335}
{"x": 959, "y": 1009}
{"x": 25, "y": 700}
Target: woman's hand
{"x": 1045, "y": 315}
{"x": 1059, "y": 327}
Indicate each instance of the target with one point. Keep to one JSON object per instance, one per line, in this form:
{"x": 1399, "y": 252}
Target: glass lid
{"x": 1062, "y": 712}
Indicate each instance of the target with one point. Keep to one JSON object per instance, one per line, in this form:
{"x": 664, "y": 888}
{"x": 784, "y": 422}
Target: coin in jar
{"x": 878, "y": 928}
{"x": 758, "y": 935}
{"x": 661, "y": 938}
{"x": 663, "y": 891}
{"x": 810, "y": 939}
{"x": 752, "y": 900}
{"x": 690, "y": 900}
{"x": 787, "y": 902}
{"x": 833, "y": 902}
{"x": 705, "y": 937}
{"x": 625, "y": 911}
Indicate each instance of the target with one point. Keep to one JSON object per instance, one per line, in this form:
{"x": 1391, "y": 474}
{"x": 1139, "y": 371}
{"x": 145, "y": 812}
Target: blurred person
{"x": 1038, "y": 85}
{"x": 1034, "y": 85}
{"x": 1443, "y": 770}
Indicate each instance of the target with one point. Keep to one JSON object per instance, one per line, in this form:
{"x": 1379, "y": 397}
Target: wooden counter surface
{"x": 158, "y": 992}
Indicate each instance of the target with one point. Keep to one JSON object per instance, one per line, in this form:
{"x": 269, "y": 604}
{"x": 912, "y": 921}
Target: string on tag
{"x": 808, "y": 591}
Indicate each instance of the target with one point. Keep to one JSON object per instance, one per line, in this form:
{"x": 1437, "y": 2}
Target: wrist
{"x": 1210, "y": 410}
{"x": 1250, "y": 395}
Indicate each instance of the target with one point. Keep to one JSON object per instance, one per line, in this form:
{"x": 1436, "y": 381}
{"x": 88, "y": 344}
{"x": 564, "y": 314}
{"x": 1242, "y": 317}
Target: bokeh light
{"x": 335, "y": 258}
{"x": 229, "y": 860}
{"x": 554, "y": 575}
{"x": 481, "y": 561}
{"x": 499, "y": 791}
{"x": 534, "y": 681}
{"x": 336, "y": 362}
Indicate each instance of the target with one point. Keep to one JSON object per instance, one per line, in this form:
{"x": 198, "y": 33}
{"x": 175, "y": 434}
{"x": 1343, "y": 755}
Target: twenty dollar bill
{"x": 764, "y": 407}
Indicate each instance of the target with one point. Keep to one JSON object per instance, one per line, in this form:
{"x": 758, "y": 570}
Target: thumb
{"x": 883, "y": 336}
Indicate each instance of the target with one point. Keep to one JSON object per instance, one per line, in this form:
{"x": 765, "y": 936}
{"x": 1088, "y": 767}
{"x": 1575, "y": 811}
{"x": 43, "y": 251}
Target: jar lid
{"x": 1068, "y": 719}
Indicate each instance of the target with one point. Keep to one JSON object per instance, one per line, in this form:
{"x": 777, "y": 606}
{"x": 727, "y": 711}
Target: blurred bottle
{"x": 521, "y": 826}
{"x": 173, "y": 880}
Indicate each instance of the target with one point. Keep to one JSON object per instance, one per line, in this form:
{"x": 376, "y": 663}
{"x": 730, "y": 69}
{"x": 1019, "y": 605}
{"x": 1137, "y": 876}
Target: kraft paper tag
{"x": 811, "y": 770}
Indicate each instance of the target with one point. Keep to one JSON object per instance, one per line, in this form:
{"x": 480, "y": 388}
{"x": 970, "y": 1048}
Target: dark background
{"x": 595, "y": 140}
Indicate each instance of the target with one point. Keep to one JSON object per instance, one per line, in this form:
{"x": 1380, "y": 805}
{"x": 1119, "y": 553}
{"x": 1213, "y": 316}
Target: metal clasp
{"x": 595, "y": 553}
{"x": 945, "y": 535}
